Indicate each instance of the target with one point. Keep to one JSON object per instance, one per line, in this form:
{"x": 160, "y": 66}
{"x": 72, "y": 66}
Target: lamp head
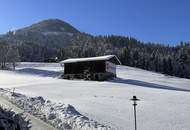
{"x": 134, "y": 99}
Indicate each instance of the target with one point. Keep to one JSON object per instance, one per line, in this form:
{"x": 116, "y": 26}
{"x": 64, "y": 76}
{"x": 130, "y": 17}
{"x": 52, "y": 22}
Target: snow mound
{"x": 59, "y": 115}
{"x": 9, "y": 120}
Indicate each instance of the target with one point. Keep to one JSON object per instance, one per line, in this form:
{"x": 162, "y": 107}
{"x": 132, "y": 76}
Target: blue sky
{"x": 163, "y": 21}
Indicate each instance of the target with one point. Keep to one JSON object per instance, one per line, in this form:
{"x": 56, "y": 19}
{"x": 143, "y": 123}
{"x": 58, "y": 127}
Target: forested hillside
{"x": 155, "y": 57}
{"x": 54, "y": 38}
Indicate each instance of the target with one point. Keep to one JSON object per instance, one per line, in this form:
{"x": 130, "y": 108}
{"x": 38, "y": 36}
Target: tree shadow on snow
{"x": 146, "y": 84}
{"x": 43, "y": 73}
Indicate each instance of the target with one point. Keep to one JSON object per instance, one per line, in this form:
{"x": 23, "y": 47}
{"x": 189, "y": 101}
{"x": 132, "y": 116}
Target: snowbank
{"x": 61, "y": 116}
{"x": 9, "y": 120}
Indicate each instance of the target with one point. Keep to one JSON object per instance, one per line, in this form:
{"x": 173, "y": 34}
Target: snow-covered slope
{"x": 164, "y": 101}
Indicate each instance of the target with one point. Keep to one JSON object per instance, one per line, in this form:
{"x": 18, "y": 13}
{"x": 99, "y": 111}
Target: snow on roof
{"x": 74, "y": 60}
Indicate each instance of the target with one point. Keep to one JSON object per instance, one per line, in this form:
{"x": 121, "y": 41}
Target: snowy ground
{"x": 36, "y": 124}
{"x": 164, "y": 101}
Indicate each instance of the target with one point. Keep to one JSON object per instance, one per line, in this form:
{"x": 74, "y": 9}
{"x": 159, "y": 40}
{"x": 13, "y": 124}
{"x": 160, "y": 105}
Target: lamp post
{"x": 135, "y": 99}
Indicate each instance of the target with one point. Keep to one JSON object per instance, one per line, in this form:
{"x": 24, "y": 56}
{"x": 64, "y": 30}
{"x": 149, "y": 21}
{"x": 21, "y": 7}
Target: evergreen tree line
{"x": 171, "y": 60}
{"x": 174, "y": 61}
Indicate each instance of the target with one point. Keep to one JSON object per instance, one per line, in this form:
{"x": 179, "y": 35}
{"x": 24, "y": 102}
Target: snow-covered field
{"x": 164, "y": 101}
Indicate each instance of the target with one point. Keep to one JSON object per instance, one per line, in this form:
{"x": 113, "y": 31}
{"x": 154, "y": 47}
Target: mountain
{"x": 52, "y": 32}
{"x": 51, "y": 25}
{"x": 55, "y": 39}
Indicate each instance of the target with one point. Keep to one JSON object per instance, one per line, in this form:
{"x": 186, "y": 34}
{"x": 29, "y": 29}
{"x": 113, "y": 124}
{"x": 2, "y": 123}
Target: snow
{"x": 9, "y": 120}
{"x": 36, "y": 123}
{"x": 61, "y": 116}
{"x": 106, "y": 57}
{"x": 163, "y": 101}
{"x": 57, "y": 33}
{"x": 51, "y": 33}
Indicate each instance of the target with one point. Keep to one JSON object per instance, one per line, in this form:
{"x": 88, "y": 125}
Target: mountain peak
{"x": 51, "y": 25}
{"x": 51, "y": 32}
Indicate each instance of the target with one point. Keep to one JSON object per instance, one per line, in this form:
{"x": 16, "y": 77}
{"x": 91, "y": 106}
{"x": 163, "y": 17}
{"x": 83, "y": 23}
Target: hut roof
{"x": 99, "y": 58}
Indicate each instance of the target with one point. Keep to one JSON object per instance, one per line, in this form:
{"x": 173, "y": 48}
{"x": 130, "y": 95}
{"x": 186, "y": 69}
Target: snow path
{"x": 35, "y": 123}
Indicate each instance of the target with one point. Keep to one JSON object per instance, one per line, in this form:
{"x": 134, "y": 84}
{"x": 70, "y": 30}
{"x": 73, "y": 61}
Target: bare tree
{"x": 8, "y": 55}
{"x": 12, "y": 56}
{"x": 3, "y": 54}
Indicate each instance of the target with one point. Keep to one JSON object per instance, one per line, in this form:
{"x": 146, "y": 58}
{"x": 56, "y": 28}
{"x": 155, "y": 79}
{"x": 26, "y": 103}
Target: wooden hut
{"x": 91, "y": 68}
